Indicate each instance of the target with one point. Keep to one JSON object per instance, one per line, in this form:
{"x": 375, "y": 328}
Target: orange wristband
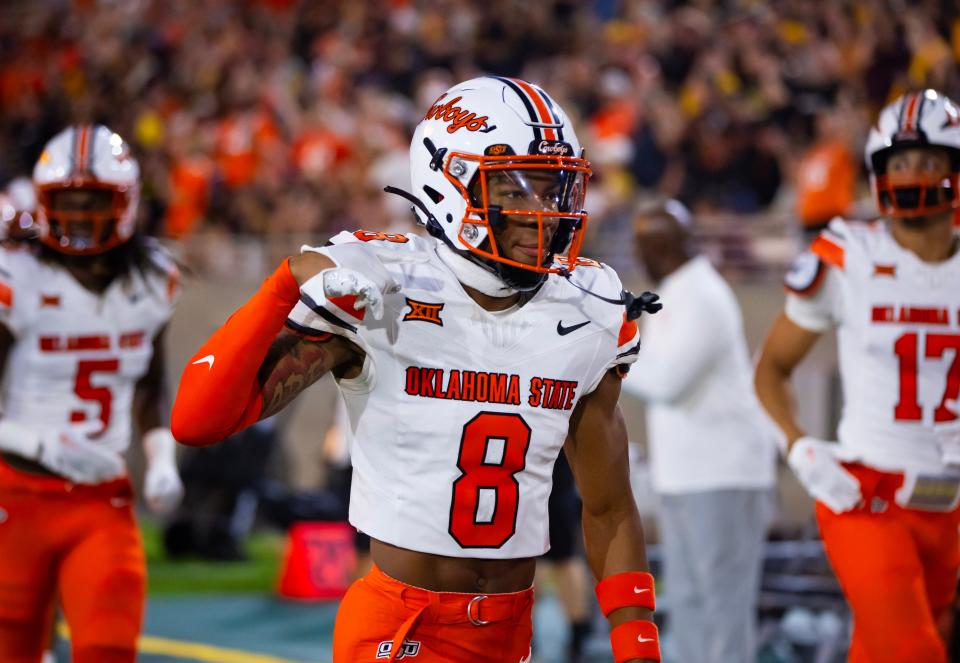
{"x": 626, "y": 590}
{"x": 636, "y": 639}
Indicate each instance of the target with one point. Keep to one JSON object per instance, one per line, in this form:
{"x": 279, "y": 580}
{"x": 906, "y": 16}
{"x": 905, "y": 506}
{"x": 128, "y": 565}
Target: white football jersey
{"x": 898, "y": 335}
{"x": 78, "y": 355}
{"x": 459, "y": 413}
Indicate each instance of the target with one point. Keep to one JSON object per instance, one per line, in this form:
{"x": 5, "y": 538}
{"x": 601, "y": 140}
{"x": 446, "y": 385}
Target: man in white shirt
{"x": 712, "y": 452}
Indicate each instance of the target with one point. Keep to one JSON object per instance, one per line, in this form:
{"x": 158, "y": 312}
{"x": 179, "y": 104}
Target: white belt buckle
{"x": 929, "y": 492}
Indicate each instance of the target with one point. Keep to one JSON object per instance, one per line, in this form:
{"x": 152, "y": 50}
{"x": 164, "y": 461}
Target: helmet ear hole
{"x": 433, "y": 194}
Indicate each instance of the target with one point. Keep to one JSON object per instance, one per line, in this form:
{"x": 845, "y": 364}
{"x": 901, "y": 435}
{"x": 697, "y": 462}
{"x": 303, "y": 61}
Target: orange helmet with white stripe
{"x": 917, "y": 119}
{"x": 500, "y": 130}
{"x": 88, "y": 186}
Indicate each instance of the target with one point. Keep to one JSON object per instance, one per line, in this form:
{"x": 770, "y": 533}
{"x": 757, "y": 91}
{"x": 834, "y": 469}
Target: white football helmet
{"x": 917, "y": 119}
{"x": 498, "y": 125}
{"x": 95, "y": 161}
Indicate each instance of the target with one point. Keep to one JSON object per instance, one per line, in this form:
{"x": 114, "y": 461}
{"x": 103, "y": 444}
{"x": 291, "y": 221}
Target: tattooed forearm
{"x": 292, "y": 364}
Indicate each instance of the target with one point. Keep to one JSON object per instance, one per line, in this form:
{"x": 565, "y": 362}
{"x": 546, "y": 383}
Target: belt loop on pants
{"x": 401, "y": 635}
{"x": 475, "y": 601}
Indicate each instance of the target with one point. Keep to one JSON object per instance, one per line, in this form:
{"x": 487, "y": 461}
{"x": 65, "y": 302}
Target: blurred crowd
{"x": 289, "y": 116}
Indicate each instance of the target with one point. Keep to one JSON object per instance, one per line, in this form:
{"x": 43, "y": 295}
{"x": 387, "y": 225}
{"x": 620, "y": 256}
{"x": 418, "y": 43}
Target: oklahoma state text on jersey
{"x": 481, "y": 387}
{"x": 459, "y": 413}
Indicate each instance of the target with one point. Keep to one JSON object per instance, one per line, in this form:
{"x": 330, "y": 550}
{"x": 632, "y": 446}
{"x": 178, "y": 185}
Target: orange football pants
{"x": 382, "y": 619}
{"x": 898, "y": 570}
{"x": 81, "y": 545}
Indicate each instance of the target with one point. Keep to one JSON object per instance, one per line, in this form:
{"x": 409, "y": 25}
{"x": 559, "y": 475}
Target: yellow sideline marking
{"x": 149, "y": 644}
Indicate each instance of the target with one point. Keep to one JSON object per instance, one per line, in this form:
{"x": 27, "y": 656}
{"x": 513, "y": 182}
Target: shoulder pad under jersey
{"x": 167, "y": 267}
{"x": 603, "y": 280}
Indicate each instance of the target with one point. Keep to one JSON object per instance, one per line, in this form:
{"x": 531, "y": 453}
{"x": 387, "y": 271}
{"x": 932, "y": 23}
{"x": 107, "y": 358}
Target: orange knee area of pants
{"x": 103, "y": 655}
{"x": 377, "y": 606}
{"x": 84, "y": 549}
{"x": 898, "y": 569}
{"x": 21, "y": 642}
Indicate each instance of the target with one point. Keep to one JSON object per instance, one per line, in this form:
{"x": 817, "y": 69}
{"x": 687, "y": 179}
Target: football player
{"x": 82, "y": 314}
{"x": 467, "y": 361}
{"x": 887, "y": 494}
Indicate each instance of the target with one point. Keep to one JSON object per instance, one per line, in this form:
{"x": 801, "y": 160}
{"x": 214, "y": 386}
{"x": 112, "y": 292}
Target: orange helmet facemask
{"x": 82, "y": 217}
{"x": 547, "y": 193}
{"x": 910, "y": 197}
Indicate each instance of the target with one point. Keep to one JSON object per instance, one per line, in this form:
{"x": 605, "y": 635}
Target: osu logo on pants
{"x": 409, "y": 649}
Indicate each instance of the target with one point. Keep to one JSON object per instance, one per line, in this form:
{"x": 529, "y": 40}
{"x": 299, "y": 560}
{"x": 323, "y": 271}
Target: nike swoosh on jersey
{"x": 205, "y": 360}
{"x": 563, "y": 331}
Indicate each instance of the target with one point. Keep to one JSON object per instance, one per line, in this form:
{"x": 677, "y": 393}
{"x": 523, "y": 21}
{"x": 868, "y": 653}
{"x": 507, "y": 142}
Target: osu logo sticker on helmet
{"x": 497, "y": 150}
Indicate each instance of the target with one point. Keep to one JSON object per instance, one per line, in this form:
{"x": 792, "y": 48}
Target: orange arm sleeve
{"x": 219, "y": 393}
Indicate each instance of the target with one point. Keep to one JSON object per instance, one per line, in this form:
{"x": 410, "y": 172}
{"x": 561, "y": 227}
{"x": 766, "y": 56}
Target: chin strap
{"x": 417, "y": 203}
{"x": 647, "y": 302}
{"x": 486, "y": 282}
{"x": 467, "y": 271}
{"x": 471, "y": 274}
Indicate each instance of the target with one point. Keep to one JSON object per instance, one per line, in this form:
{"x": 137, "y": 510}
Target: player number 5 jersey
{"x": 77, "y": 355}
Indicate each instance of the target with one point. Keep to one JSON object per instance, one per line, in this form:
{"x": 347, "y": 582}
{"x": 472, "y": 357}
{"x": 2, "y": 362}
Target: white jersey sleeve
{"x": 18, "y": 282}
{"x": 337, "y": 315}
{"x": 814, "y": 282}
{"x": 817, "y": 311}
{"x": 624, "y": 335}
{"x": 164, "y": 279}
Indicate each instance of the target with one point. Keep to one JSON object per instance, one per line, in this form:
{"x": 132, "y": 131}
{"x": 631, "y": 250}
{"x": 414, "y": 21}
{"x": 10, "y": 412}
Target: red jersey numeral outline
{"x": 477, "y": 474}
{"x": 376, "y": 235}
{"x": 87, "y": 391}
{"x": 907, "y": 348}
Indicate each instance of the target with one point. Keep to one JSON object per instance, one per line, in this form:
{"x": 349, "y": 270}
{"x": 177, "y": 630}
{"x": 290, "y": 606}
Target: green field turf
{"x": 196, "y": 576}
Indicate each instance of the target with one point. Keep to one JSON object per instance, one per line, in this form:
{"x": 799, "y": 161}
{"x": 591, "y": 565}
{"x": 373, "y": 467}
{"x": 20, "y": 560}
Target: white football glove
{"x": 822, "y": 475}
{"x": 162, "y": 488}
{"x": 67, "y": 451}
{"x": 360, "y": 272}
{"x": 341, "y": 281}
